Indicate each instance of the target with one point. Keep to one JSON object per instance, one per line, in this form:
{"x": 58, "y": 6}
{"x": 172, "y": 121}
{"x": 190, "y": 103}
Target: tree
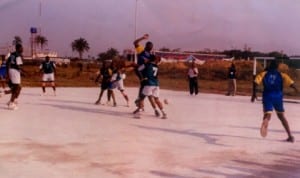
{"x": 80, "y": 45}
{"x": 17, "y": 40}
{"x": 164, "y": 49}
{"x": 277, "y": 54}
{"x": 176, "y": 50}
{"x": 111, "y": 53}
{"x": 41, "y": 41}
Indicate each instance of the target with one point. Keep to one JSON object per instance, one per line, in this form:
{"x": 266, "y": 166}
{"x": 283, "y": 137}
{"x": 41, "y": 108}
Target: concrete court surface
{"x": 67, "y": 136}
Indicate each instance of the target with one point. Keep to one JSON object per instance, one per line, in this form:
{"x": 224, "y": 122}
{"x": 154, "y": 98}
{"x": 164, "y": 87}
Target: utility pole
{"x": 135, "y": 29}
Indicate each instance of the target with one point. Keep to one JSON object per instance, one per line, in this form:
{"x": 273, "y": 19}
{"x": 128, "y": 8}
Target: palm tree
{"x": 80, "y": 45}
{"x": 17, "y": 40}
{"x": 41, "y": 41}
{"x": 111, "y": 53}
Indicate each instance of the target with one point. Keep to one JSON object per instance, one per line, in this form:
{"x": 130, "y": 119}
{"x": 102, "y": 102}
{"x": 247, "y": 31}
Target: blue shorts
{"x": 270, "y": 103}
{"x": 2, "y": 73}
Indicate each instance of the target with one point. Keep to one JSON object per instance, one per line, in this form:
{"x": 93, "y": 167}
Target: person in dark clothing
{"x": 105, "y": 74}
{"x": 48, "y": 68}
{"x": 231, "y": 80}
{"x": 193, "y": 78}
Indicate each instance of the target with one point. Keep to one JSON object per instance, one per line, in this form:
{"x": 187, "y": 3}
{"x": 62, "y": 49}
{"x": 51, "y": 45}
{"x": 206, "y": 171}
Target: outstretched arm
{"x": 98, "y": 78}
{"x": 294, "y": 87}
{"x": 137, "y": 41}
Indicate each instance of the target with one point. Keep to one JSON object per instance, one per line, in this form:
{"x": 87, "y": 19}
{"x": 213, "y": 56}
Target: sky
{"x": 262, "y": 25}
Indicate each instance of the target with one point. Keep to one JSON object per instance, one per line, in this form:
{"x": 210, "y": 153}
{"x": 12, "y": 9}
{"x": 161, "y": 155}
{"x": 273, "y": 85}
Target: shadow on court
{"x": 269, "y": 130}
{"x": 209, "y": 138}
{"x": 285, "y": 166}
{"x": 88, "y": 110}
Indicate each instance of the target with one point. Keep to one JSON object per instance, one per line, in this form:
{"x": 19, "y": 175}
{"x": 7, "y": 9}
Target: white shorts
{"x": 118, "y": 85}
{"x": 14, "y": 76}
{"x": 48, "y": 77}
{"x": 151, "y": 91}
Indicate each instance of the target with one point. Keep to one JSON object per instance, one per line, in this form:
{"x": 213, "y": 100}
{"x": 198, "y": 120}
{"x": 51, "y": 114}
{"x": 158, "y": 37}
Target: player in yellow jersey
{"x": 273, "y": 82}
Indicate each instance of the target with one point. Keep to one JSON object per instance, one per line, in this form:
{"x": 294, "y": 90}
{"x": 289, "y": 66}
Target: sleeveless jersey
{"x": 13, "y": 62}
{"x": 48, "y": 67}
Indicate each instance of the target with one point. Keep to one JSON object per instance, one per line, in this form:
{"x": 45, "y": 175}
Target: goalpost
{"x": 263, "y": 60}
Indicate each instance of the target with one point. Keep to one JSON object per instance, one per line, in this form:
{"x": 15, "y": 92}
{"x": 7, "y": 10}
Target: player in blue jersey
{"x": 48, "y": 68}
{"x": 273, "y": 82}
{"x": 148, "y": 72}
{"x": 143, "y": 54}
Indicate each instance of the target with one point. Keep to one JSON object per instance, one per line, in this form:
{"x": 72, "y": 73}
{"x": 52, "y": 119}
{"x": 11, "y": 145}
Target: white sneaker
{"x": 164, "y": 116}
{"x": 12, "y": 106}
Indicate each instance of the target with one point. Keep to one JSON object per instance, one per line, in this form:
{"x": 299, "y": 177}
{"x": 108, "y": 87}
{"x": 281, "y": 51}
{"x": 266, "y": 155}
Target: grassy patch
{"x": 212, "y": 76}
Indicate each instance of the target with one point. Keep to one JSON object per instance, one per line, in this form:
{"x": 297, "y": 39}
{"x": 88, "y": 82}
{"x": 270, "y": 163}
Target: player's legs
{"x": 268, "y": 108}
{"x": 44, "y": 80}
{"x": 264, "y": 124}
{"x": 230, "y": 87}
{"x": 2, "y": 81}
{"x": 140, "y": 104}
{"x": 125, "y": 97}
{"x": 191, "y": 84}
{"x": 53, "y": 86}
{"x": 233, "y": 87}
{"x": 196, "y": 85}
{"x": 278, "y": 106}
{"x": 110, "y": 94}
{"x": 148, "y": 91}
{"x": 152, "y": 102}
{"x": 15, "y": 85}
{"x": 51, "y": 80}
{"x": 140, "y": 101}
{"x": 286, "y": 126}
{"x": 44, "y": 87}
{"x": 19, "y": 88}
{"x": 121, "y": 88}
{"x": 140, "y": 94}
{"x": 15, "y": 92}
{"x": 155, "y": 94}
{"x": 100, "y": 96}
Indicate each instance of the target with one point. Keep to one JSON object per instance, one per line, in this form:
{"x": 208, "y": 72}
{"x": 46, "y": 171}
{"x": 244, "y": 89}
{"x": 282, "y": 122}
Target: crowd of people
{"x": 112, "y": 74}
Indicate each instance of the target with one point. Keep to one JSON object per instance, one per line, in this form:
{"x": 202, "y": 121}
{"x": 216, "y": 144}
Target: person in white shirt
{"x": 193, "y": 78}
{"x": 14, "y": 70}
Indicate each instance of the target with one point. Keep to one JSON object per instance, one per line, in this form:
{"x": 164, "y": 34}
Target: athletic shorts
{"x": 105, "y": 85}
{"x": 48, "y": 77}
{"x": 118, "y": 85}
{"x": 151, "y": 91}
{"x": 2, "y": 73}
{"x": 270, "y": 103}
{"x": 14, "y": 76}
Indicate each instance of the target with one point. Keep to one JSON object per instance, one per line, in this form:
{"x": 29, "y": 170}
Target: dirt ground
{"x": 205, "y": 136}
